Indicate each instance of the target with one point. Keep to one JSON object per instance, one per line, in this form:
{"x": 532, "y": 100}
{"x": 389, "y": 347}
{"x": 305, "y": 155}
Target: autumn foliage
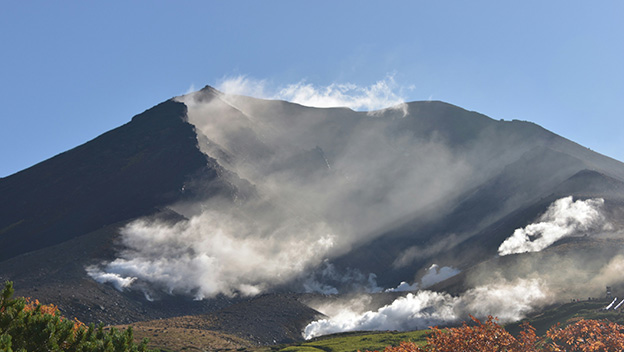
{"x": 27, "y": 325}
{"x": 488, "y": 336}
{"x": 36, "y": 307}
{"x": 588, "y": 335}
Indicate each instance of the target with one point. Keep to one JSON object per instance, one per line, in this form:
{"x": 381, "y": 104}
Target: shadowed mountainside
{"x": 123, "y": 174}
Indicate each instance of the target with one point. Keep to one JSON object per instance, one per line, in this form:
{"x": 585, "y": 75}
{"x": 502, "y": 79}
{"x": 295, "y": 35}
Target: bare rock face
{"x": 123, "y": 174}
{"x": 267, "y": 320}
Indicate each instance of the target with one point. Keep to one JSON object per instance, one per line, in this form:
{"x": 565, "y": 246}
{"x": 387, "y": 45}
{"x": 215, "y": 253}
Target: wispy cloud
{"x": 383, "y": 94}
{"x": 244, "y": 85}
{"x": 190, "y": 89}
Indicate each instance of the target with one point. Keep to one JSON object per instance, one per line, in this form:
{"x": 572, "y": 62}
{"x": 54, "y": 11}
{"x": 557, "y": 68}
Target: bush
{"x": 27, "y": 325}
{"x": 583, "y": 336}
{"x": 588, "y": 335}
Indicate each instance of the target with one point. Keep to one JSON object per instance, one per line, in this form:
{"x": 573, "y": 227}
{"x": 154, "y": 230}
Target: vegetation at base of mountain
{"x": 27, "y": 325}
{"x": 488, "y": 336}
{"x": 191, "y": 332}
{"x": 351, "y": 342}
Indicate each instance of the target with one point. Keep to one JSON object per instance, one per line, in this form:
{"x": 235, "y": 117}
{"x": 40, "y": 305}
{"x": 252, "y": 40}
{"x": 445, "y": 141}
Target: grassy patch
{"x": 301, "y": 349}
{"x": 351, "y": 342}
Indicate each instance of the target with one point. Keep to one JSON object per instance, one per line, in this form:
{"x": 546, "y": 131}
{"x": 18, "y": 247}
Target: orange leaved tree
{"x": 483, "y": 336}
{"x": 26, "y": 325}
{"x": 488, "y": 336}
{"x": 587, "y": 335}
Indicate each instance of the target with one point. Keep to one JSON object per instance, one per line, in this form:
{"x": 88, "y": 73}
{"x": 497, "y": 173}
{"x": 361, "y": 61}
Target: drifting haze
{"x": 324, "y": 180}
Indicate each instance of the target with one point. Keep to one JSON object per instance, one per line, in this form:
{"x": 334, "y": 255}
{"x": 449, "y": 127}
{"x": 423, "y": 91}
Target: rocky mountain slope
{"x": 205, "y": 201}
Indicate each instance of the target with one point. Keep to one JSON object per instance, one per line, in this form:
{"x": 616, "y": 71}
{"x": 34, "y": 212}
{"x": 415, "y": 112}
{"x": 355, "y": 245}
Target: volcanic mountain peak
{"x": 217, "y": 196}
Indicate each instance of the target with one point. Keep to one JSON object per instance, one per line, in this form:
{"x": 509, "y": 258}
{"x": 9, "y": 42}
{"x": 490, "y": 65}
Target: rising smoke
{"x": 324, "y": 180}
{"x": 508, "y": 291}
{"x": 378, "y": 96}
{"x": 216, "y": 252}
{"x": 563, "y": 218}
{"x": 509, "y": 301}
{"x": 434, "y": 274}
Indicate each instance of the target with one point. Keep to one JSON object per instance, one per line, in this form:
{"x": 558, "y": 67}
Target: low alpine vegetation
{"x": 27, "y": 325}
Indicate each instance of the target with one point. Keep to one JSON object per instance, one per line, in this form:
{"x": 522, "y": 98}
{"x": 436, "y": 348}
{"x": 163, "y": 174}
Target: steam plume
{"x": 509, "y": 301}
{"x": 433, "y": 275}
{"x": 380, "y": 95}
{"x": 118, "y": 281}
{"x": 318, "y": 190}
{"x": 436, "y": 274}
{"x": 508, "y": 292}
{"x": 563, "y": 218}
{"x": 216, "y": 252}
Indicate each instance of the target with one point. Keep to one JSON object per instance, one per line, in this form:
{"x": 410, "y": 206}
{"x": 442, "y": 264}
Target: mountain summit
{"x": 217, "y": 197}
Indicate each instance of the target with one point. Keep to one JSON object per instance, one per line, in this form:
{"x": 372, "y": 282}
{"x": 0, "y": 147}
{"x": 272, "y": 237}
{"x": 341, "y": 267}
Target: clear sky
{"x": 72, "y": 70}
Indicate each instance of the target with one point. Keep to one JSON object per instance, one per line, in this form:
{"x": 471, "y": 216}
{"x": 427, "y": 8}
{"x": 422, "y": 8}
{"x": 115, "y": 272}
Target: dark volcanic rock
{"x": 267, "y": 320}
{"x": 120, "y": 175}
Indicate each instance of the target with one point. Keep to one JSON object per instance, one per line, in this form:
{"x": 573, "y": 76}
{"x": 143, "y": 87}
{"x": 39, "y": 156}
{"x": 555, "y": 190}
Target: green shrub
{"x": 30, "y": 326}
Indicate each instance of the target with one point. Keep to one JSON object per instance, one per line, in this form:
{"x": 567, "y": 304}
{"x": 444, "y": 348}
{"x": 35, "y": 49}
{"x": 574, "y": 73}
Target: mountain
{"x": 205, "y": 201}
{"x": 123, "y": 174}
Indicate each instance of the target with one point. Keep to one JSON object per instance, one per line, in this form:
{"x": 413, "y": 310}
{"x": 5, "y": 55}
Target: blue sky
{"x": 70, "y": 70}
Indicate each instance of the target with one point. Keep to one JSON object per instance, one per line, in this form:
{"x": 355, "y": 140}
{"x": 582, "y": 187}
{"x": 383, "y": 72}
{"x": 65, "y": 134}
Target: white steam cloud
{"x": 378, "y": 96}
{"x": 404, "y": 286}
{"x": 436, "y": 274}
{"x": 508, "y": 292}
{"x": 216, "y": 252}
{"x": 509, "y": 301}
{"x": 433, "y": 275}
{"x": 118, "y": 281}
{"x": 563, "y": 218}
